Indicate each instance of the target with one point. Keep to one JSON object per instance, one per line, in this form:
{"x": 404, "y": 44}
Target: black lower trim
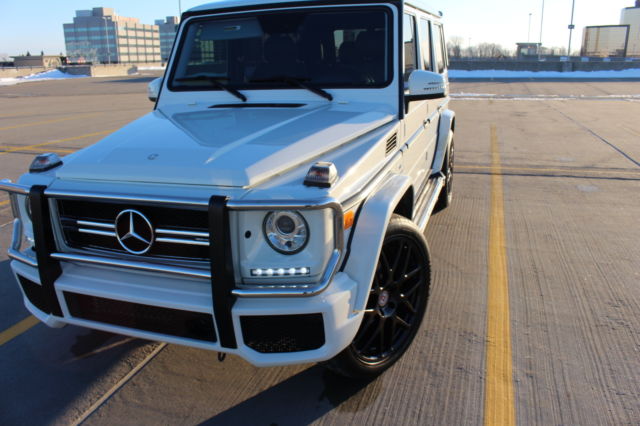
{"x": 48, "y": 267}
{"x": 283, "y": 333}
{"x": 154, "y": 319}
{"x": 34, "y": 293}
{"x": 222, "y": 277}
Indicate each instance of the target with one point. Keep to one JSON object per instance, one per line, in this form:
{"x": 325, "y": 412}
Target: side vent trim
{"x": 392, "y": 143}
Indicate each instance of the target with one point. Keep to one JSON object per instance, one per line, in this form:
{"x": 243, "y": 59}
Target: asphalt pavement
{"x": 535, "y": 304}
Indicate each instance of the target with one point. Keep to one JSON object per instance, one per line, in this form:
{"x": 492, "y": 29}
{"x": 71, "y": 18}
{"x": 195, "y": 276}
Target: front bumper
{"x": 203, "y": 310}
{"x": 339, "y": 322}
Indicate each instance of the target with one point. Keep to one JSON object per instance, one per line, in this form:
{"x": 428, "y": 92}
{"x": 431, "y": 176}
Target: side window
{"x": 409, "y": 38}
{"x": 438, "y": 44}
{"x": 425, "y": 44}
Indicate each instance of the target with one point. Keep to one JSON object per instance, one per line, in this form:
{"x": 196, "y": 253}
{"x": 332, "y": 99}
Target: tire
{"x": 397, "y": 303}
{"x": 446, "y": 195}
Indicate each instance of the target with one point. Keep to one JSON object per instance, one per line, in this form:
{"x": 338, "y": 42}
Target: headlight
{"x": 22, "y": 211}
{"x": 286, "y": 231}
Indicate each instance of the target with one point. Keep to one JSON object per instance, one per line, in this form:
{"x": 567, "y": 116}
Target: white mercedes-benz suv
{"x": 273, "y": 203}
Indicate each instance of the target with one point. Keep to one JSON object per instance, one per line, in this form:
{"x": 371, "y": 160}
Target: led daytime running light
{"x": 280, "y": 272}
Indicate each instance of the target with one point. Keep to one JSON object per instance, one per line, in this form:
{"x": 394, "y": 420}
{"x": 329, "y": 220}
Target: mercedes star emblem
{"x": 134, "y": 231}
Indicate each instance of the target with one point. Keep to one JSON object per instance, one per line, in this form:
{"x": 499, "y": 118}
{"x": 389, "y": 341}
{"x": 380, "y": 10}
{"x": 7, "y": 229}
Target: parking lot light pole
{"x": 571, "y": 26}
{"x": 541, "y": 24}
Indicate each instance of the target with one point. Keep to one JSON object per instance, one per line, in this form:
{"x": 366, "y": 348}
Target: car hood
{"x": 236, "y": 147}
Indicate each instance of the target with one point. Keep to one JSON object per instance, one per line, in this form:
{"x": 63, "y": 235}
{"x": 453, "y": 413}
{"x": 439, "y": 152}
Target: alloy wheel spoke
{"x": 407, "y": 277}
{"x": 408, "y": 304}
{"x": 401, "y": 322}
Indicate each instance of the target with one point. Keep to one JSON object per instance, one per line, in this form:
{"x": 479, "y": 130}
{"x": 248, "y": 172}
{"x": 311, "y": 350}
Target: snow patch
{"x": 42, "y": 76}
{"x": 505, "y": 74}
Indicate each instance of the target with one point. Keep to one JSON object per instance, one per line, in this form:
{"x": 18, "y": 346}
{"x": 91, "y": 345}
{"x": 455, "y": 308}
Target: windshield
{"x": 346, "y": 47}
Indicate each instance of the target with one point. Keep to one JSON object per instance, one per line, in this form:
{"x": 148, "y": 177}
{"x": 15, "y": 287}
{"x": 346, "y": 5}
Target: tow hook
{"x": 221, "y": 356}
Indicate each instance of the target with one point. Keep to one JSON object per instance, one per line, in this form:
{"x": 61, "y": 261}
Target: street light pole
{"x": 541, "y": 22}
{"x": 571, "y": 26}
{"x": 529, "y": 32}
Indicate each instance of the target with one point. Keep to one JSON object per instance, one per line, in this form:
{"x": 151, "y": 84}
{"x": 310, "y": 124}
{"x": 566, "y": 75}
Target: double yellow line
{"x": 73, "y": 138}
{"x": 17, "y": 329}
{"x": 499, "y": 401}
{"x": 56, "y": 120}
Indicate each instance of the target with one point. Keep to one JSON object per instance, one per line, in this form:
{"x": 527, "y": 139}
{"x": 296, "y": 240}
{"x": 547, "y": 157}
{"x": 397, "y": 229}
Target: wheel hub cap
{"x": 383, "y": 298}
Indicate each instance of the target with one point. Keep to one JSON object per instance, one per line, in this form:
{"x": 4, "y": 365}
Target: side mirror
{"x": 153, "y": 89}
{"x": 427, "y": 85}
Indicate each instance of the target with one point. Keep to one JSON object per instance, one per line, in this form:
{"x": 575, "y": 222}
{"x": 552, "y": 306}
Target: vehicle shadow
{"x": 145, "y": 79}
{"x": 302, "y": 399}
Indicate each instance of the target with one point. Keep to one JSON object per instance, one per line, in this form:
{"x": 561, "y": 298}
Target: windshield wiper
{"x": 215, "y": 82}
{"x": 296, "y": 81}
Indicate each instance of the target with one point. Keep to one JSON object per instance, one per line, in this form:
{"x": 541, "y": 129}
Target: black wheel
{"x": 446, "y": 195}
{"x": 396, "y": 305}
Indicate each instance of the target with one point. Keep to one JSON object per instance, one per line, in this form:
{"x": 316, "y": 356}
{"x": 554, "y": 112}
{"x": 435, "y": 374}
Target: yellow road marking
{"x": 74, "y": 138}
{"x": 57, "y": 120}
{"x": 499, "y": 401}
{"x": 2, "y": 203}
{"x": 534, "y": 169}
{"x": 13, "y": 148}
{"x": 17, "y": 329}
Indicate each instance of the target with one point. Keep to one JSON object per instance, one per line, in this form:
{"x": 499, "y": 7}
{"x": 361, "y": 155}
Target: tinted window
{"x": 425, "y": 44}
{"x": 340, "y": 48}
{"x": 438, "y": 45}
{"x": 409, "y": 40}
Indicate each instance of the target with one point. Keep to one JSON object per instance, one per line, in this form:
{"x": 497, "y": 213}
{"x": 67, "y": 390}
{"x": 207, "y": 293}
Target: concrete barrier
{"x": 106, "y": 70}
{"x": 20, "y": 71}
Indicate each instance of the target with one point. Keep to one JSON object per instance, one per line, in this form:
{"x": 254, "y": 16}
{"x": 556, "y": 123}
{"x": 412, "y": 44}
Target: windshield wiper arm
{"x": 296, "y": 81}
{"x": 215, "y": 82}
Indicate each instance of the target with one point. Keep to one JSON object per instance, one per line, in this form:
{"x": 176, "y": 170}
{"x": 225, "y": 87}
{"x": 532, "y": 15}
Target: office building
{"x": 621, "y": 40}
{"x": 631, "y": 16}
{"x": 168, "y": 29}
{"x": 101, "y": 36}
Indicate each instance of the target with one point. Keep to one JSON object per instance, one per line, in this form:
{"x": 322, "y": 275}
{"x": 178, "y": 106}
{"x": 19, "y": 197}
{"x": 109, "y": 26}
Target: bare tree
{"x": 491, "y": 50}
{"x": 454, "y": 47}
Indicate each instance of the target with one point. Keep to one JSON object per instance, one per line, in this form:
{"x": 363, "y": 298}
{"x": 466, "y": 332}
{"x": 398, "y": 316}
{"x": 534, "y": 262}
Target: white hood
{"x": 238, "y": 147}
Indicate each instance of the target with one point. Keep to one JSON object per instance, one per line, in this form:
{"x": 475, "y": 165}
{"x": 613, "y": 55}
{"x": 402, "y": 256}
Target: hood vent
{"x": 392, "y": 142}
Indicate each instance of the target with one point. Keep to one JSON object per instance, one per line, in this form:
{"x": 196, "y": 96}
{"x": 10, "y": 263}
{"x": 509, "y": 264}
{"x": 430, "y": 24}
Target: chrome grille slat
{"x": 97, "y": 232}
{"x": 95, "y": 224}
{"x": 182, "y": 233}
{"x": 181, "y": 241}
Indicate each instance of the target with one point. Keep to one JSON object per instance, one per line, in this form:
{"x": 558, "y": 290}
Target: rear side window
{"x": 438, "y": 44}
{"x": 425, "y": 44}
{"x": 409, "y": 42}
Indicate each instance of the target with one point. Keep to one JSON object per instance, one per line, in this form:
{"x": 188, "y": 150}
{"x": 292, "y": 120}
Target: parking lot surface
{"x": 534, "y": 308}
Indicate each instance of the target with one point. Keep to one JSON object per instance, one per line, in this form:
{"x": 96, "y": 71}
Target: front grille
{"x": 174, "y": 322}
{"x": 283, "y": 333}
{"x": 180, "y": 233}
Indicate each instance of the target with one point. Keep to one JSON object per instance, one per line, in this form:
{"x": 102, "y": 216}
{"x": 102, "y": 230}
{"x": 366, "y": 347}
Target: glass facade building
{"x": 101, "y": 36}
{"x": 168, "y": 29}
{"x": 631, "y": 16}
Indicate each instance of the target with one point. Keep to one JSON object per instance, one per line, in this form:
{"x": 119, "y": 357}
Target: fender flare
{"x": 445, "y": 136}
{"x": 369, "y": 234}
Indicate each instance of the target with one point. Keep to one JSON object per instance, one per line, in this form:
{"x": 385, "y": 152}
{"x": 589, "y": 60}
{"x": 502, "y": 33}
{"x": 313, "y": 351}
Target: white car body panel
{"x": 190, "y": 150}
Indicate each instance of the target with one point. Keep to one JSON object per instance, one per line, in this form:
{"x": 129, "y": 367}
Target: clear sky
{"x": 36, "y": 25}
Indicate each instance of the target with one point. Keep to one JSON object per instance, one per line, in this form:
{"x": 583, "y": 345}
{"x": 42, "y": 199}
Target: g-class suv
{"x": 273, "y": 203}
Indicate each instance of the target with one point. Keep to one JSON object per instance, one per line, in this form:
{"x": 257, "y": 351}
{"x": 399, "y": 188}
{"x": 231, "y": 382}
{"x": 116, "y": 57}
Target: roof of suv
{"x": 233, "y": 4}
